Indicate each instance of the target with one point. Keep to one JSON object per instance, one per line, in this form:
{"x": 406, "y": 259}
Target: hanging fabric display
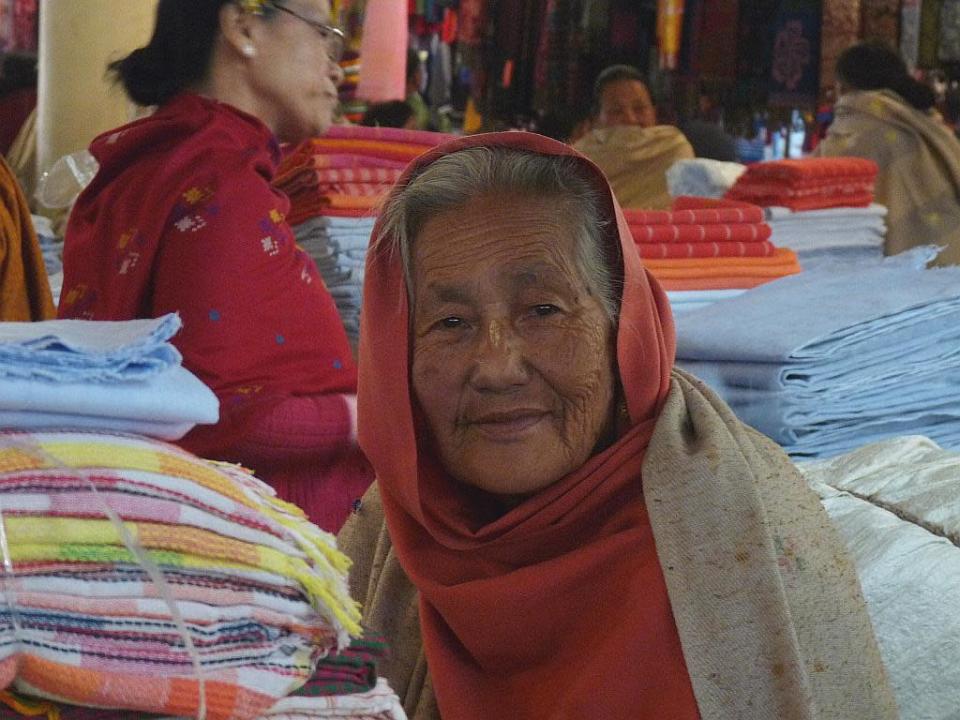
{"x": 383, "y": 51}
{"x": 950, "y": 32}
{"x": 18, "y": 26}
{"x": 669, "y": 27}
{"x": 929, "y": 32}
{"x": 795, "y": 69}
{"x": 910, "y": 32}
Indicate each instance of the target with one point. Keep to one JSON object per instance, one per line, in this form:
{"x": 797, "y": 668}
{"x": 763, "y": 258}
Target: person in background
{"x": 564, "y": 124}
{"x": 18, "y": 96}
{"x": 563, "y": 525}
{"x": 24, "y": 285}
{"x": 181, "y": 217}
{"x": 395, "y": 114}
{"x": 705, "y": 134}
{"x": 885, "y": 115}
{"x": 421, "y": 112}
{"x": 625, "y": 141}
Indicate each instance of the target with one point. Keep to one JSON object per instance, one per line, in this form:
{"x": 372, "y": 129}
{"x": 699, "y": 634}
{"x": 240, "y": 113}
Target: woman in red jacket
{"x": 181, "y": 217}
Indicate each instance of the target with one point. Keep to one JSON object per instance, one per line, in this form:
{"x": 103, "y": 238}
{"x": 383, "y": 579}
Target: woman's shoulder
{"x": 188, "y": 141}
{"x": 390, "y": 602}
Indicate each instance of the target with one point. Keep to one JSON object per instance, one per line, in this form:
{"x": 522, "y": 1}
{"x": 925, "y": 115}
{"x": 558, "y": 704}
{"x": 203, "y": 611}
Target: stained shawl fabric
{"x": 181, "y": 217}
{"x": 24, "y": 288}
{"x": 919, "y": 160}
{"x": 635, "y": 161}
{"x": 526, "y": 615}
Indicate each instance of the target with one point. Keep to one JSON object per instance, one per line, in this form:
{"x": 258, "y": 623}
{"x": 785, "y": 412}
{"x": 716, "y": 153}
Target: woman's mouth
{"x": 508, "y": 426}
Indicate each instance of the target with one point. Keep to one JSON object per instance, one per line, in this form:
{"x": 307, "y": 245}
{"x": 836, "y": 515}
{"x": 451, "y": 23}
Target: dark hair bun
{"x": 177, "y": 56}
{"x": 144, "y": 77}
{"x": 873, "y": 65}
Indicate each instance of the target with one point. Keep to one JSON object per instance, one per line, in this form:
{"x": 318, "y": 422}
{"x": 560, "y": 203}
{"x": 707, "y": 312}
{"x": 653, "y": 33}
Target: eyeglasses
{"x": 332, "y": 36}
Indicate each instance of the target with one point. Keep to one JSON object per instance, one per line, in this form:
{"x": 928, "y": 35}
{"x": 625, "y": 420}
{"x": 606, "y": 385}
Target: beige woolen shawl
{"x": 635, "y": 161}
{"x": 766, "y": 600}
{"x": 919, "y": 159}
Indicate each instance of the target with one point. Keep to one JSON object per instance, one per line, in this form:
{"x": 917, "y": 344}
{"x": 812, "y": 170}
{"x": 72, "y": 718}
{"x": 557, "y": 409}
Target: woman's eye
{"x": 451, "y": 323}
{"x": 545, "y": 310}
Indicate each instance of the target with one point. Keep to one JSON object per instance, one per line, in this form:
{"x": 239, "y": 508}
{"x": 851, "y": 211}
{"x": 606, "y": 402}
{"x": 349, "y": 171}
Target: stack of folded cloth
{"x": 338, "y": 245}
{"x": 141, "y": 578}
{"x": 349, "y": 170}
{"x": 839, "y": 357}
{"x": 706, "y": 250}
{"x": 351, "y": 106}
{"x": 808, "y": 184}
{"x": 335, "y": 184}
{"x": 842, "y": 234}
{"x": 121, "y": 376}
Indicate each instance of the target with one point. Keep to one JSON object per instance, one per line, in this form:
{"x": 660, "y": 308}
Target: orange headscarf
{"x": 558, "y": 608}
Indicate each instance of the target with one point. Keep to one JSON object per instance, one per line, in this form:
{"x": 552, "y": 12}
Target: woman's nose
{"x": 499, "y": 362}
{"x": 336, "y": 73}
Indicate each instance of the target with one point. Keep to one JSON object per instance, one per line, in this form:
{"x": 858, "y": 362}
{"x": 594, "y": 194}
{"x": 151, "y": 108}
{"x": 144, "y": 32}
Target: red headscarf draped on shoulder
{"x": 558, "y": 608}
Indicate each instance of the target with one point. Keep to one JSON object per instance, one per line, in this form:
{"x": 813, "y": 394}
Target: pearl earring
{"x": 249, "y": 50}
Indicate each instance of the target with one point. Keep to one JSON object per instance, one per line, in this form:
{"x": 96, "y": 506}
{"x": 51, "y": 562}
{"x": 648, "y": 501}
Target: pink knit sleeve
{"x": 299, "y": 429}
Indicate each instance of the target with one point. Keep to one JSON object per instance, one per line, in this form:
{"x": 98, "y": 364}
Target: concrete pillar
{"x": 841, "y": 28}
{"x": 76, "y": 101}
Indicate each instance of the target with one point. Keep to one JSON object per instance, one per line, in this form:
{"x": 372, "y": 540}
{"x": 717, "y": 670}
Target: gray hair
{"x": 455, "y": 179}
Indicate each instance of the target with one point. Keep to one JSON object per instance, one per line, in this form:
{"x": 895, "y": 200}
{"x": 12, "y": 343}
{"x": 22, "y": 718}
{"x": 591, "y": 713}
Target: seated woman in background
{"x": 564, "y": 526}
{"x": 181, "y": 217}
{"x": 885, "y": 115}
{"x": 395, "y": 114}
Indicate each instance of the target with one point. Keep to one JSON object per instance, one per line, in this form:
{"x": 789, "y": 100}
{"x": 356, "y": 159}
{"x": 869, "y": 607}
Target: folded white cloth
{"x": 702, "y": 177}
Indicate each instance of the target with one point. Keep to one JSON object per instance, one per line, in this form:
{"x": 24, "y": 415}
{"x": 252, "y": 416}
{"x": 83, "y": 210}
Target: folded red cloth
{"x": 675, "y": 250}
{"x": 837, "y": 196}
{"x": 792, "y": 171}
{"x": 742, "y": 232}
{"x": 686, "y": 212}
{"x": 810, "y": 184}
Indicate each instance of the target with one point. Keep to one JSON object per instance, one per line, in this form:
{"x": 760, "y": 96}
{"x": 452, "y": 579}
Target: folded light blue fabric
{"x": 815, "y": 314}
{"x": 27, "y": 420}
{"x": 834, "y": 358}
{"x": 173, "y": 397}
{"x": 72, "y": 351}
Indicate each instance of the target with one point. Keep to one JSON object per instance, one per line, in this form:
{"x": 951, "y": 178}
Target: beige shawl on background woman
{"x": 766, "y": 600}
{"x": 635, "y": 161}
{"x": 919, "y": 159}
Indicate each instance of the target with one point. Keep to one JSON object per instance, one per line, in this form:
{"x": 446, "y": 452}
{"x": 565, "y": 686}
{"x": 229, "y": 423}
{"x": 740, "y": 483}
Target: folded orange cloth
{"x": 783, "y": 259}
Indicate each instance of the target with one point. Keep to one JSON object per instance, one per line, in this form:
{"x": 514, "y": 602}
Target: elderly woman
{"x": 563, "y": 526}
{"x": 182, "y": 218}
{"x": 887, "y": 116}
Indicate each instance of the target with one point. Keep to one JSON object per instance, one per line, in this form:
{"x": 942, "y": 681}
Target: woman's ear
{"x": 237, "y": 28}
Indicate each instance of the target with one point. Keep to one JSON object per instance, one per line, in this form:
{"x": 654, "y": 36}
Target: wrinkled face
{"x": 512, "y": 355}
{"x": 626, "y": 102}
{"x": 293, "y": 76}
